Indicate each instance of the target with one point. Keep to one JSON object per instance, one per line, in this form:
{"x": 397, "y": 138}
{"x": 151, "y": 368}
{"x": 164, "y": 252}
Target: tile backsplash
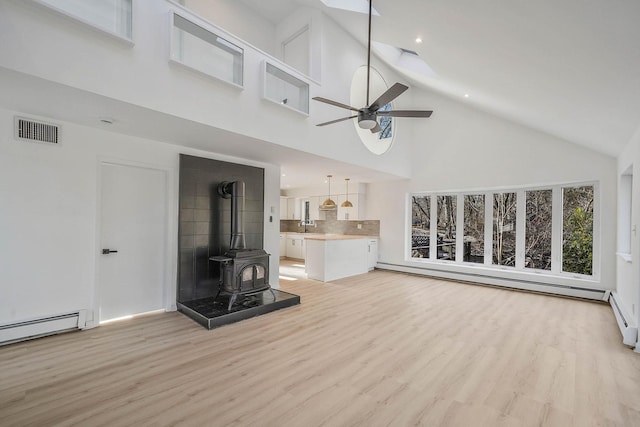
{"x": 333, "y": 226}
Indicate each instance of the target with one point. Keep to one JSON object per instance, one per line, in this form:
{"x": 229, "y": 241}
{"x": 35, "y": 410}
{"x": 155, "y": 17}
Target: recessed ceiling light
{"x": 418, "y": 40}
{"x": 284, "y": 174}
{"x": 466, "y": 95}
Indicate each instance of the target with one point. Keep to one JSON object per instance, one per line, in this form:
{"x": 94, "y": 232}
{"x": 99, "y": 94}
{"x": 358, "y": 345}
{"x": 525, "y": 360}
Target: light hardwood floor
{"x": 378, "y": 349}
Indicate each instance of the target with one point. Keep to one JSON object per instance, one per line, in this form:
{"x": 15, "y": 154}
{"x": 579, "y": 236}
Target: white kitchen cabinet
{"x": 283, "y": 208}
{"x": 314, "y": 207}
{"x": 372, "y": 254}
{"x": 283, "y": 246}
{"x": 332, "y": 258}
{"x": 295, "y": 247}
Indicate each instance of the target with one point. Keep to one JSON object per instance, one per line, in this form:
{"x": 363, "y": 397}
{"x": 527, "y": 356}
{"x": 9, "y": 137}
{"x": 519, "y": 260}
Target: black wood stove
{"x": 242, "y": 271}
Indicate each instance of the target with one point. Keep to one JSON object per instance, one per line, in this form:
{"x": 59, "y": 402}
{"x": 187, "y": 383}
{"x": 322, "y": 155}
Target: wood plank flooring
{"x": 373, "y": 350}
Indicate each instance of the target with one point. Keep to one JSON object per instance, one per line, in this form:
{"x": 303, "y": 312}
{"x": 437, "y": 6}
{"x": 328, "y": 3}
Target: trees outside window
{"x": 447, "y": 211}
{"x": 504, "y": 228}
{"x": 538, "y": 229}
{"x": 528, "y": 232}
{"x": 474, "y": 228}
{"x": 420, "y": 226}
{"x": 577, "y": 230}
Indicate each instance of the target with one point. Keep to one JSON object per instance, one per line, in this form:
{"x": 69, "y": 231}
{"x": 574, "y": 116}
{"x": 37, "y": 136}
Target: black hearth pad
{"x": 212, "y": 313}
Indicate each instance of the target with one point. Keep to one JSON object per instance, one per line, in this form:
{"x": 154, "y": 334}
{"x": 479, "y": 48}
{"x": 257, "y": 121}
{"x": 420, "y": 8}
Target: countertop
{"x": 329, "y": 236}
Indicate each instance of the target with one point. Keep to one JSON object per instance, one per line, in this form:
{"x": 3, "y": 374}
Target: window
{"x": 285, "y": 89}
{"x": 197, "y": 48}
{"x": 552, "y": 230}
{"x": 112, "y": 16}
{"x": 420, "y": 226}
{"x": 504, "y": 229}
{"x": 474, "y": 228}
{"x": 577, "y": 230}
{"x": 386, "y": 123}
{"x": 446, "y": 243}
{"x": 538, "y": 229}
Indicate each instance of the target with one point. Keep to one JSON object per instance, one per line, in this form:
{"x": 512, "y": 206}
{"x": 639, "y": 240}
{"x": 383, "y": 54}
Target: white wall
{"x": 237, "y": 18}
{"x": 628, "y": 273}
{"x": 39, "y": 43}
{"x": 460, "y": 148}
{"x": 48, "y": 215}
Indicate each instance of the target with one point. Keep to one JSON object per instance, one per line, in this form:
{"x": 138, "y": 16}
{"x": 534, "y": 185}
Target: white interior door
{"x": 133, "y": 223}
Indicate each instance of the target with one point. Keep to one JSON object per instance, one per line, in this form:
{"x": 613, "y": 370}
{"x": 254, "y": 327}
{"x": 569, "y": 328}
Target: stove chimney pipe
{"x": 235, "y": 191}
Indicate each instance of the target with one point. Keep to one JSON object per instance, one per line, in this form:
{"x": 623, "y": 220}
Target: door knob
{"x": 108, "y": 251}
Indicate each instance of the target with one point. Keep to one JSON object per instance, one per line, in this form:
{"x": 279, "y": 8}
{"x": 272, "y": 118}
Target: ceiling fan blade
{"x": 392, "y": 93}
{"x": 336, "y": 121}
{"x": 376, "y": 129}
{"x": 405, "y": 113}
{"x": 334, "y": 103}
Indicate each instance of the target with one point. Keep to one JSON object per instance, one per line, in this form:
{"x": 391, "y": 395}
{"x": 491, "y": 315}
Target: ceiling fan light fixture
{"x": 367, "y": 123}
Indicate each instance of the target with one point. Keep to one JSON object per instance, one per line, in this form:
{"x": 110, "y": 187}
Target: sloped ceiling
{"x": 569, "y": 68}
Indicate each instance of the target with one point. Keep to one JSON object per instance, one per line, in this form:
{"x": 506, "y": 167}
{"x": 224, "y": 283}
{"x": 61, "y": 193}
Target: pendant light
{"x": 328, "y": 204}
{"x": 347, "y": 203}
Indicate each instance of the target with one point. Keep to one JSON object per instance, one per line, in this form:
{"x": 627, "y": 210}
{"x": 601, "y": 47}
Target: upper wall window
{"x": 285, "y": 89}
{"x": 112, "y": 16}
{"x": 204, "y": 51}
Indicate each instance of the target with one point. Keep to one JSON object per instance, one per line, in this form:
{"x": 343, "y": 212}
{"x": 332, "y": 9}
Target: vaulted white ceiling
{"x": 570, "y": 68}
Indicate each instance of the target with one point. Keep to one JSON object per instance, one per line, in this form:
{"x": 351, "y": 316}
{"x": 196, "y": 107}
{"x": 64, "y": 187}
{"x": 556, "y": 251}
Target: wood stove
{"x": 242, "y": 271}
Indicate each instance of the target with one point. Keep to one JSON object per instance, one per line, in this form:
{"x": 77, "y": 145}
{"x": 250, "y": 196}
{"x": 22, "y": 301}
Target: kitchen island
{"x": 335, "y": 256}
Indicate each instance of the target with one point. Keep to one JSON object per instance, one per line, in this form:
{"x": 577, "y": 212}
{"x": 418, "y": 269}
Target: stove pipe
{"x": 235, "y": 191}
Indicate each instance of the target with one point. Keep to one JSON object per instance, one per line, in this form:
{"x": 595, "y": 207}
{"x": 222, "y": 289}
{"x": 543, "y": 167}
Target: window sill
{"x": 625, "y": 256}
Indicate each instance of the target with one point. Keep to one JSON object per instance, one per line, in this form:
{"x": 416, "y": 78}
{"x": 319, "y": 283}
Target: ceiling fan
{"x": 367, "y": 115}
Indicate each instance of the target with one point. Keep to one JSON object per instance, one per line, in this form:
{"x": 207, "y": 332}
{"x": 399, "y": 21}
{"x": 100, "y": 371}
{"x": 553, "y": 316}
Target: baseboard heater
{"x": 486, "y": 279}
{"x": 50, "y": 325}
{"x": 628, "y": 330}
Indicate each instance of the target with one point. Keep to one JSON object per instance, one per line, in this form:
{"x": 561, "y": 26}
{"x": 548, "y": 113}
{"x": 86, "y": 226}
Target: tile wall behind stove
{"x": 205, "y": 220}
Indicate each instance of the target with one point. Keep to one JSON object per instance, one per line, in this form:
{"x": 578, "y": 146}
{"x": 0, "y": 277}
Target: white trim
{"x": 626, "y": 257}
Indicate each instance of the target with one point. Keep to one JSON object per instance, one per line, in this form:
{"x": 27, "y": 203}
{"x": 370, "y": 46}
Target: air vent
{"x": 36, "y": 131}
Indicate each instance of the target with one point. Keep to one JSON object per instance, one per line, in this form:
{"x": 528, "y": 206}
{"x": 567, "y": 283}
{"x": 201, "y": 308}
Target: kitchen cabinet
{"x": 372, "y": 254}
{"x": 283, "y": 246}
{"x": 295, "y": 247}
{"x": 283, "y": 208}
{"x": 333, "y": 257}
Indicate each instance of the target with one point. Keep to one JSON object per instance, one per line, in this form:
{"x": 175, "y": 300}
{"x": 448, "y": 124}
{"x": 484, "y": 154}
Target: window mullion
{"x": 520, "y": 229}
{"x": 556, "y": 230}
{"x": 433, "y": 230}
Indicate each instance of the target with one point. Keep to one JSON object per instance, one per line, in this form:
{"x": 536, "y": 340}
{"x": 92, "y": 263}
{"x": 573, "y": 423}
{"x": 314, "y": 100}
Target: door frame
{"x": 169, "y": 265}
